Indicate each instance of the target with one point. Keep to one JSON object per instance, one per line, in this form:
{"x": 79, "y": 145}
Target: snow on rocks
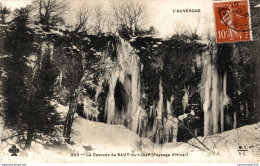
{"x": 103, "y": 137}
{"x": 95, "y": 139}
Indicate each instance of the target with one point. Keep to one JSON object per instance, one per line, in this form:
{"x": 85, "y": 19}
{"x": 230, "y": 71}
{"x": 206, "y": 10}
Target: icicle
{"x": 83, "y": 61}
{"x": 169, "y": 109}
{"x": 160, "y": 102}
{"x": 151, "y": 111}
{"x": 171, "y": 124}
{"x": 205, "y": 92}
{"x": 198, "y": 61}
{"x": 235, "y": 121}
{"x": 127, "y": 72}
{"x": 98, "y": 91}
{"x": 224, "y": 101}
{"x": 51, "y": 47}
{"x": 60, "y": 77}
{"x": 110, "y": 102}
{"x": 185, "y": 99}
{"x": 215, "y": 100}
{"x": 43, "y": 49}
{"x": 87, "y": 106}
{"x": 213, "y": 94}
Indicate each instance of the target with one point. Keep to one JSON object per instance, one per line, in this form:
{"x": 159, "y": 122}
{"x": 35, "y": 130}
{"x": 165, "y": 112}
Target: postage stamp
{"x": 232, "y": 21}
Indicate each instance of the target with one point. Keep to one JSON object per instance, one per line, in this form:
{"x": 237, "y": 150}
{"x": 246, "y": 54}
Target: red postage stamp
{"x": 232, "y": 20}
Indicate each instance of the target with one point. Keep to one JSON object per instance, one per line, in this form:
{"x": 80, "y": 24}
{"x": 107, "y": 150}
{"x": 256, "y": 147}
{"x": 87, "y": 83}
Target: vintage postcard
{"x": 129, "y": 81}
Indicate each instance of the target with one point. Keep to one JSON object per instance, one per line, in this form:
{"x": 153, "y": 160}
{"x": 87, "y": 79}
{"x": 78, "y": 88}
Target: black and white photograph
{"x": 129, "y": 81}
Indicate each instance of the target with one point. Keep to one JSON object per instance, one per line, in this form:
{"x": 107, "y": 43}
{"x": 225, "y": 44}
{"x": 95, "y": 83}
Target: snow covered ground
{"x": 99, "y": 142}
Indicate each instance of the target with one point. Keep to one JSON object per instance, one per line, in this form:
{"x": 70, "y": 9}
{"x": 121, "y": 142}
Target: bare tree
{"x": 109, "y": 25}
{"x": 130, "y": 13}
{"x": 4, "y": 12}
{"x": 83, "y": 17}
{"x": 103, "y": 22}
{"x": 22, "y": 15}
{"x": 193, "y": 32}
{"x": 184, "y": 31}
{"x": 50, "y": 11}
{"x": 178, "y": 28}
{"x": 99, "y": 19}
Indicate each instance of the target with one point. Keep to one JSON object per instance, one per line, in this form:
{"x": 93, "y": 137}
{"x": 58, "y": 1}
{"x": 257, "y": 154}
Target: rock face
{"x": 123, "y": 100}
{"x": 213, "y": 93}
{"x": 124, "y": 106}
{"x": 200, "y": 107}
{"x": 123, "y": 103}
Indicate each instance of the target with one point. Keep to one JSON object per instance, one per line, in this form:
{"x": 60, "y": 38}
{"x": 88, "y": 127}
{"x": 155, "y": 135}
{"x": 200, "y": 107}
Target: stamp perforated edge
{"x": 215, "y": 29}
